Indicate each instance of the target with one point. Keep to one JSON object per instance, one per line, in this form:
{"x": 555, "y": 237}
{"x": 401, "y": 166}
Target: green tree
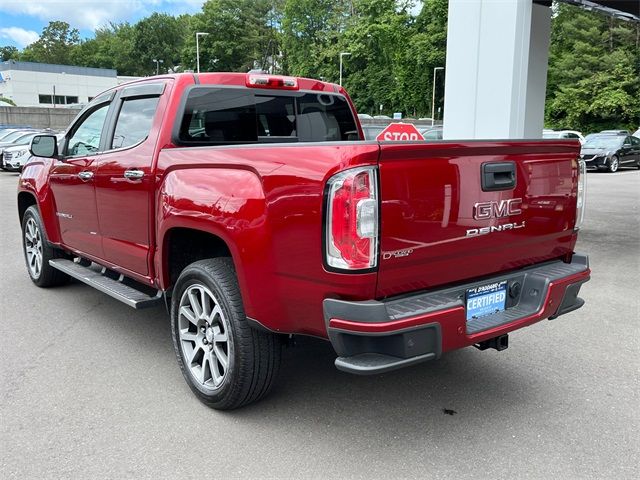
{"x": 8, "y": 52}
{"x": 594, "y": 72}
{"x": 241, "y": 35}
{"x": 310, "y": 33}
{"x": 158, "y": 37}
{"x": 376, "y": 35}
{"x": 425, "y": 49}
{"x": 55, "y": 45}
{"x": 112, "y": 46}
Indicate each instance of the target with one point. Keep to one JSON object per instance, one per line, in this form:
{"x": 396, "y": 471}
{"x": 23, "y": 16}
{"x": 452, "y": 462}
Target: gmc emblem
{"x": 497, "y": 209}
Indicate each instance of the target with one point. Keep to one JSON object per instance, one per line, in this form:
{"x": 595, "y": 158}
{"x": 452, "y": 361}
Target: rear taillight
{"x": 582, "y": 193}
{"x": 352, "y": 219}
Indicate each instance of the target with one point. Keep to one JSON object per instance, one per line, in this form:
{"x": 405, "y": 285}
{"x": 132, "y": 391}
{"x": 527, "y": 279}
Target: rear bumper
{"x": 377, "y": 336}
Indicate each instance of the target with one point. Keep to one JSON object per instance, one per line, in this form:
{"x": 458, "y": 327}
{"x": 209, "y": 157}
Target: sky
{"x": 21, "y": 21}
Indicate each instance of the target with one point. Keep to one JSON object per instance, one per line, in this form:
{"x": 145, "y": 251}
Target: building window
{"x": 44, "y": 99}
{"x": 59, "y": 100}
{"x": 90, "y": 98}
{"x": 71, "y": 100}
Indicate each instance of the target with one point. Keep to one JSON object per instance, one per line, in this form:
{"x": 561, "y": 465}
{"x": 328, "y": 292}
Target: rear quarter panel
{"x": 266, "y": 203}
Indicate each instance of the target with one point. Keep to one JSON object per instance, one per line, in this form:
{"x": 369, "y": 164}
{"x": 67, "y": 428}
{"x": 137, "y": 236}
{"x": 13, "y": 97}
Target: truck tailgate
{"x": 440, "y": 225}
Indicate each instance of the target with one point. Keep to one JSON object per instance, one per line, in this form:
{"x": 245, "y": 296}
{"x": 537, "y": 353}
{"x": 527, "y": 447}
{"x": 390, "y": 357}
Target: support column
{"x": 496, "y": 71}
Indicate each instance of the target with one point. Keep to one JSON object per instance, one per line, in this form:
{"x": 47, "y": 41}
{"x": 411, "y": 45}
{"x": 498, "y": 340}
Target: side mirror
{"x": 45, "y": 146}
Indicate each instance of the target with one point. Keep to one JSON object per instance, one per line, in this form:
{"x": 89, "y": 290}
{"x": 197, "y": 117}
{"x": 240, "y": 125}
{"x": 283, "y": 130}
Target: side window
{"x": 85, "y": 139}
{"x": 134, "y": 121}
{"x": 627, "y": 142}
{"x": 635, "y": 141}
{"x": 572, "y": 135}
{"x": 219, "y": 116}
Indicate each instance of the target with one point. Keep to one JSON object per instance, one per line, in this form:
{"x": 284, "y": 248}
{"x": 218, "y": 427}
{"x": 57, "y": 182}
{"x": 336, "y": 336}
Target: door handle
{"x": 498, "y": 176}
{"x": 133, "y": 174}
{"x": 85, "y": 175}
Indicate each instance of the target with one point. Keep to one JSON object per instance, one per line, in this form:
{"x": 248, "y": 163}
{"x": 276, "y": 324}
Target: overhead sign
{"x": 399, "y": 132}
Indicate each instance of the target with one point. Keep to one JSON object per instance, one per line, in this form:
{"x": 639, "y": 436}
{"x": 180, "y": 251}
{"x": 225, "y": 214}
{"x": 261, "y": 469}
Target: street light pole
{"x": 158, "y": 62}
{"x": 433, "y": 94}
{"x": 198, "y": 34}
{"x": 342, "y": 54}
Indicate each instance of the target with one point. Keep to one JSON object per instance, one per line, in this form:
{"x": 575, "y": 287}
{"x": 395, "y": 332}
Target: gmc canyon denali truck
{"x": 252, "y": 207}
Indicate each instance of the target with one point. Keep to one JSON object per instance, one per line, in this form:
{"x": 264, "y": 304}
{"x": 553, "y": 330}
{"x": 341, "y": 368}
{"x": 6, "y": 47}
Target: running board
{"x": 114, "y": 288}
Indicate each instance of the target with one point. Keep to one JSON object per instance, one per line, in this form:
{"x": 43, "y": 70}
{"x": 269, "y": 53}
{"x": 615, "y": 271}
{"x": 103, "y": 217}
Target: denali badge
{"x": 497, "y": 209}
{"x": 397, "y": 254}
{"x": 472, "y": 232}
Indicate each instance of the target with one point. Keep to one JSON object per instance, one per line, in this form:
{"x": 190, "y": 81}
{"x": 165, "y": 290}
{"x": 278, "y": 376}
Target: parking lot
{"x": 90, "y": 388}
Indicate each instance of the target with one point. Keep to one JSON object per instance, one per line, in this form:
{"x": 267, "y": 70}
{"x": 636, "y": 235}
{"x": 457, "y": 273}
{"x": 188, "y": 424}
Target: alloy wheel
{"x": 203, "y": 330}
{"x": 33, "y": 247}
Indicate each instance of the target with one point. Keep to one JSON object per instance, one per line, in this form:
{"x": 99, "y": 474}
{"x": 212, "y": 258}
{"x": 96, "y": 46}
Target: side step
{"x": 114, "y": 288}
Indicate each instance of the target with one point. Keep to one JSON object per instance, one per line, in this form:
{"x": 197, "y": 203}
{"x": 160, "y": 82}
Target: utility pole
{"x": 433, "y": 95}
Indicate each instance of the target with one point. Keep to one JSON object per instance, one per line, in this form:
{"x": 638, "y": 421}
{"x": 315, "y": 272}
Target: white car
{"x": 14, "y": 158}
{"x": 637, "y": 134}
{"x": 563, "y": 134}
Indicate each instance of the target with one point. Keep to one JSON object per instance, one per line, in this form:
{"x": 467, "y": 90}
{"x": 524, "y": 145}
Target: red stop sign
{"x": 399, "y": 132}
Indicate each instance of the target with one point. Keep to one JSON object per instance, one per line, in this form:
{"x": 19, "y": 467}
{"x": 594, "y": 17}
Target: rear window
{"x": 219, "y": 116}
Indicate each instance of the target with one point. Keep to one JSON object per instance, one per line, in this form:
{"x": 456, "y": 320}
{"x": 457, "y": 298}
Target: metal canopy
{"x": 623, "y": 9}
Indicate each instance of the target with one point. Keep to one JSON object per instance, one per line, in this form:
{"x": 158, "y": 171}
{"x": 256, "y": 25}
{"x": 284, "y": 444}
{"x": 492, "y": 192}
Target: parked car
{"x": 432, "y": 133}
{"x": 14, "y": 157}
{"x": 23, "y": 138}
{"x": 610, "y": 151}
{"x": 372, "y": 131}
{"x": 7, "y": 129}
{"x": 5, "y": 132}
{"x": 299, "y": 228}
{"x": 14, "y": 134}
{"x": 617, "y": 132}
{"x": 563, "y": 134}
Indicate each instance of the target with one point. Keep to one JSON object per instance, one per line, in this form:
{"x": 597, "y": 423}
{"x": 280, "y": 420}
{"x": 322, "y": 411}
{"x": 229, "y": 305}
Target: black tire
{"x": 47, "y": 276}
{"x": 613, "y": 164}
{"x": 253, "y": 357}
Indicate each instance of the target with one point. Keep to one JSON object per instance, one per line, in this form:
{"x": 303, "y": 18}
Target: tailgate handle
{"x": 498, "y": 176}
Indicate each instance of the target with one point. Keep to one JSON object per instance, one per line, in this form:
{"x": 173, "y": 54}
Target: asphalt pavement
{"x": 90, "y": 388}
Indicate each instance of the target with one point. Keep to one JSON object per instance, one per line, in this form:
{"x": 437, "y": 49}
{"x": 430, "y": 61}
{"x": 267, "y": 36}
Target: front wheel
{"x": 225, "y": 362}
{"x": 614, "y": 164}
{"x": 38, "y": 252}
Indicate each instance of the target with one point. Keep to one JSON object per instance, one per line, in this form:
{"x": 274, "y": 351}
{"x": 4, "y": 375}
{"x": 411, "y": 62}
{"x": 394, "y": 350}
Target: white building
{"x": 41, "y": 84}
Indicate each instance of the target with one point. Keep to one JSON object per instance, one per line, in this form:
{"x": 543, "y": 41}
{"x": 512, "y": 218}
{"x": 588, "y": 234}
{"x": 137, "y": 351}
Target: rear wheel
{"x": 226, "y": 363}
{"x": 614, "y": 164}
{"x": 38, "y": 252}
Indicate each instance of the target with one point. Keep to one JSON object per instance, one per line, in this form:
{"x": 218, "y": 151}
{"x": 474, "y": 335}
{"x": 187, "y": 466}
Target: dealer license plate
{"x": 486, "y": 300}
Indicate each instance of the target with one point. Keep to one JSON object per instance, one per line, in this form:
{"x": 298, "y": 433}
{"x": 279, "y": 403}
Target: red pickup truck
{"x": 252, "y": 207}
